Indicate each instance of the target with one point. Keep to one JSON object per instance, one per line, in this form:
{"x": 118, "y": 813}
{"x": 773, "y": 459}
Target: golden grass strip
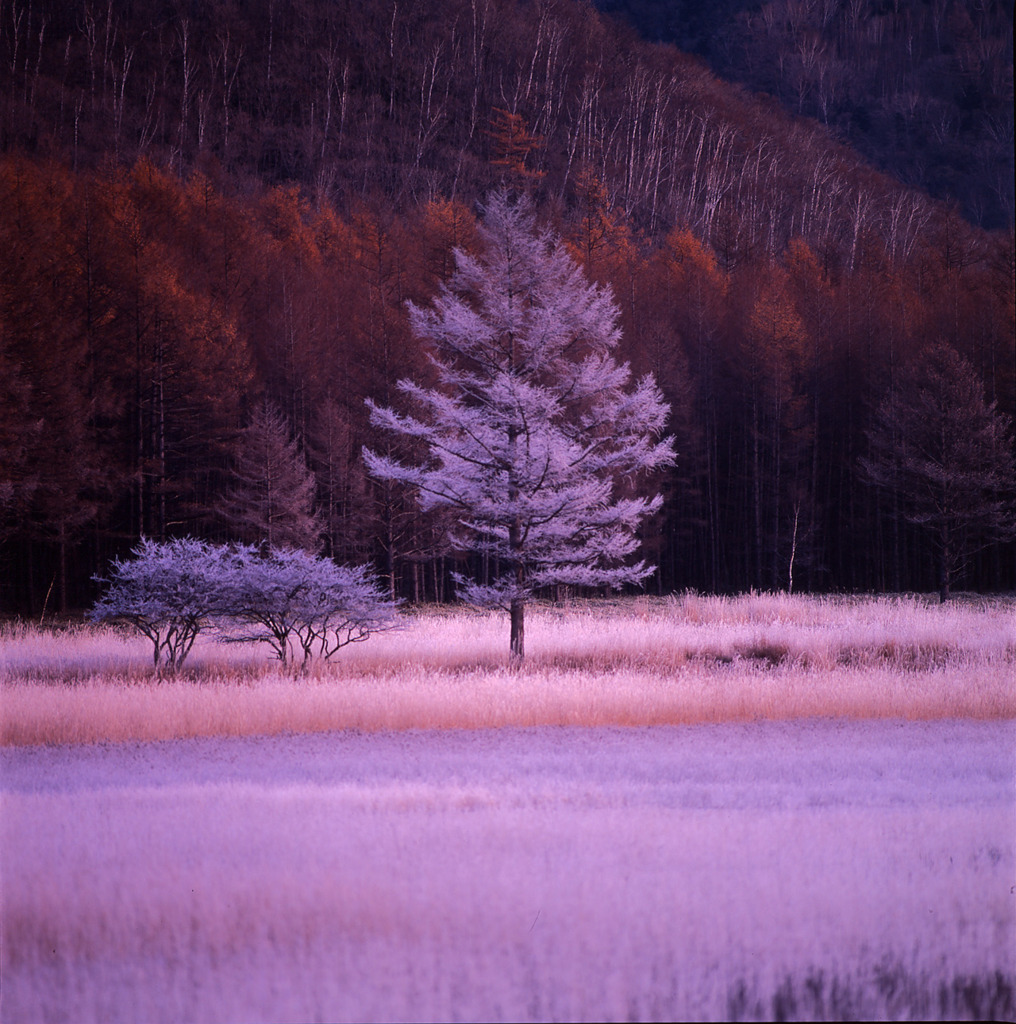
{"x": 100, "y": 711}
{"x": 639, "y": 662}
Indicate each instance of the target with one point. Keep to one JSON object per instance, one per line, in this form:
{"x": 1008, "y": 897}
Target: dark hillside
{"x": 351, "y": 100}
{"x": 921, "y": 88}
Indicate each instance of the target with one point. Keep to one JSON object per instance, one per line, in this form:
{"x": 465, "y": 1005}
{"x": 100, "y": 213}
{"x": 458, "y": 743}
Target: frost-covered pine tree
{"x": 532, "y": 427}
{"x": 271, "y": 497}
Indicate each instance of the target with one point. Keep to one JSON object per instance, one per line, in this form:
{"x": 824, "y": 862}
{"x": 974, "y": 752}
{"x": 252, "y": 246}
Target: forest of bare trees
{"x": 922, "y": 88}
{"x": 208, "y": 208}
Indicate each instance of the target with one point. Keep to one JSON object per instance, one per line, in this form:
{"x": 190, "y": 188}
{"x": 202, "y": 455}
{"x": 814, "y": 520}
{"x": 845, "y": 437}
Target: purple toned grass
{"x": 701, "y": 808}
{"x": 823, "y": 868}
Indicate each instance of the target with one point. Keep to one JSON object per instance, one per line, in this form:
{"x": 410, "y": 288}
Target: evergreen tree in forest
{"x": 948, "y": 456}
{"x": 532, "y": 425}
{"x": 271, "y": 497}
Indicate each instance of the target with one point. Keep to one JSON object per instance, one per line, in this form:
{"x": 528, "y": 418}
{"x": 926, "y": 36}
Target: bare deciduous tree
{"x": 169, "y": 591}
{"x": 298, "y": 603}
{"x": 302, "y": 605}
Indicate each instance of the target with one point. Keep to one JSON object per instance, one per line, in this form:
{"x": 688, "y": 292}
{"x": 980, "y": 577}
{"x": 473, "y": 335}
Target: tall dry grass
{"x": 635, "y": 661}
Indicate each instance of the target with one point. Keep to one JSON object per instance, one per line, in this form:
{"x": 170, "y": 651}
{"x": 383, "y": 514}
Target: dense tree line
{"x": 214, "y": 219}
{"x": 147, "y": 319}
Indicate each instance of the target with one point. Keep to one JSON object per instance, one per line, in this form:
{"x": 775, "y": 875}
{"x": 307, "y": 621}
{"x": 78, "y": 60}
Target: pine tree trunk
{"x": 390, "y": 565}
{"x": 518, "y": 636}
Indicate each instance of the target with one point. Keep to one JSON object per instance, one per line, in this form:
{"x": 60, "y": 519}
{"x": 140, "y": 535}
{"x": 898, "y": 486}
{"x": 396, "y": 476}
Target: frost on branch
{"x": 532, "y": 427}
{"x": 303, "y": 605}
{"x": 169, "y": 591}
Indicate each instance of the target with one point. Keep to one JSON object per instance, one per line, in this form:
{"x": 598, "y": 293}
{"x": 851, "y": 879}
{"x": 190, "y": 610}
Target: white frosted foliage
{"x": 169, "y": 591}
{"x": 531, "y": 425}
{"x": 301, "y": 605}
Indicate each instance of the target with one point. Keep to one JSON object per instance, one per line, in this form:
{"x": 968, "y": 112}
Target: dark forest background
{"x": 209, "y": 209}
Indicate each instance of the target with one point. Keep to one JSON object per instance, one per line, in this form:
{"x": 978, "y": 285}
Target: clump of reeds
{"x": 887, "y": 991}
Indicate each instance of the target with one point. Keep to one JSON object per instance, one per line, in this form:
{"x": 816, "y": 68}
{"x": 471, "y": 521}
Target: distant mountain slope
{"x": 922, "y": 89}
{"x": 412, "y": 101}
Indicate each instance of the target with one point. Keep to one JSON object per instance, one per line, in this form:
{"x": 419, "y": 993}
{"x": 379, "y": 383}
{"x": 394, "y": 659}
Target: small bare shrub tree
{"x": 169, "y": 591}
{"x": 303, "y": 605}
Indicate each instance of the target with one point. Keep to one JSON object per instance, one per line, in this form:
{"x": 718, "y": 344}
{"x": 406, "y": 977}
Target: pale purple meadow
{"x": 698, "y": 808}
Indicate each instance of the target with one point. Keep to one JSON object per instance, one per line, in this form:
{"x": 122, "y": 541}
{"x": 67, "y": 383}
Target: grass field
{"x": 752, "y": 808}
{"x": 634, "y": 662}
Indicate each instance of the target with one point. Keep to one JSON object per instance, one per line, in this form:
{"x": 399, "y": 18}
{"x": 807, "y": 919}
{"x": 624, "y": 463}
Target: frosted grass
{"x": 627, "y": 662}
{"x": 809, "y": 814}
{"x": 823, "y": 869}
